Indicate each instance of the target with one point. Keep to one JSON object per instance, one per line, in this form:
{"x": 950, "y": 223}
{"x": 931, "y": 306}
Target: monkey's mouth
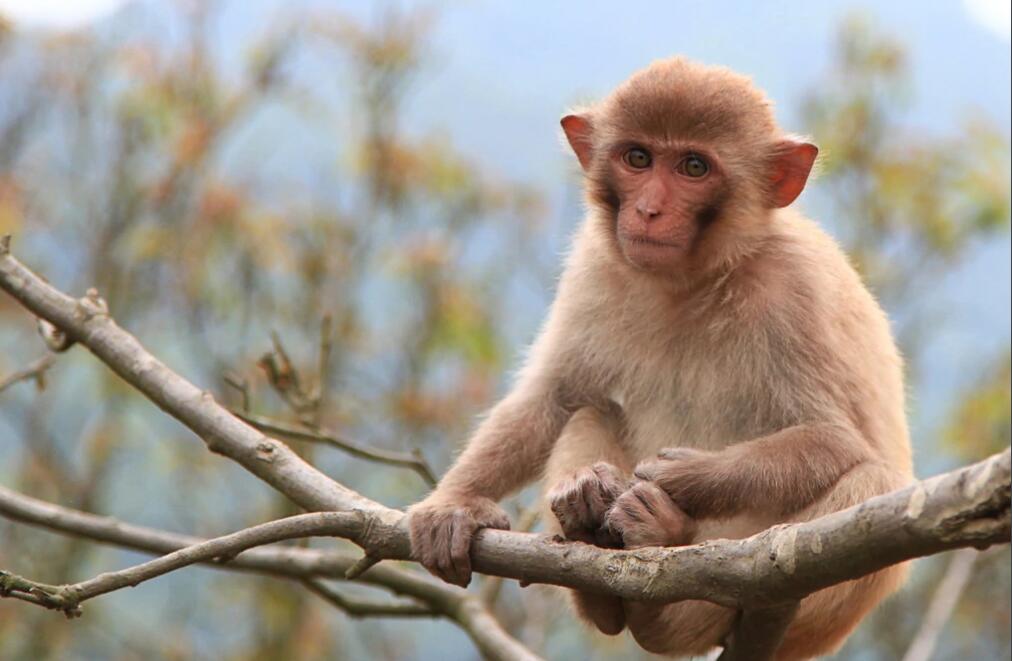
{"x": 642, "y": 240}
{"x": 651, "y": 254}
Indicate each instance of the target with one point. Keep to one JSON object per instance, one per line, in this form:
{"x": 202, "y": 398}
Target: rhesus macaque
{"x": 711, "y": 364}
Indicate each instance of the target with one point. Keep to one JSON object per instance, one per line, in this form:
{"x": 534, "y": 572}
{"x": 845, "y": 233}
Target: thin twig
{"x": 285, "y": 380}
{"x": 413, "y": 461}
{"x": 323, "y": 369}
{"x": 287, "y": 562}
{"x": 957, "y": 575}
{"x": 35, "y": 370}
{"x": 368, "y": 608}
{"x": 364, "y": 564}
{"x": 68, "y": 598}
{"x": 240, "y": 384}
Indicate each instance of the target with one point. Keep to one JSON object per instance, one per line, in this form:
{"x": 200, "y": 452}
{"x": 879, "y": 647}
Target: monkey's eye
{"x": 637, "y": 158}
{"x": 693, "y": 166}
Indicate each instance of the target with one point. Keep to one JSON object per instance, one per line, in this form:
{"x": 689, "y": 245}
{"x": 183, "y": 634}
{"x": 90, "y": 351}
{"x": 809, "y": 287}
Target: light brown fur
{"x": 758, "y": 357}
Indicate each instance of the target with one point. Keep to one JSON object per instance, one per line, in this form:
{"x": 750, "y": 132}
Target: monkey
{"x": 711, "y": 364}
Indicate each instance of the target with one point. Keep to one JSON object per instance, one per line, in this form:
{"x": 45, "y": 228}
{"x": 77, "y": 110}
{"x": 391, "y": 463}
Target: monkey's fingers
{"x": 648, "y": 471}
{"x": 458, "y": 561}
{"x": 681, "y": 454}
{"x": 611, "y": 482}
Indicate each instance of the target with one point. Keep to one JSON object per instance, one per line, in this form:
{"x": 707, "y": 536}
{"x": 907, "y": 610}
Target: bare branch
{"x": 278, "y": 561}
{"x": 68, "y": 598}
{"x": 241, "y": 385}
{"x": 413, "y": 461}
{"x": 364, "y": 608}
{"x": 967, "y": 507}
{"x": 322, "y": 391}
{"x": 86, "y": 321}
{"x": 284, "y": 378}
{"x": 361, "y": 566}
{"x": 36, "y": 370}
{"x": 957, "y": 575}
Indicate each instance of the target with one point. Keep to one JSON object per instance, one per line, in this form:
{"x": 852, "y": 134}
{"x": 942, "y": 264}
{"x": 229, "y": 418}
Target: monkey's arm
{"x": 508, "y": 450}
{"x": 776, "y": 474}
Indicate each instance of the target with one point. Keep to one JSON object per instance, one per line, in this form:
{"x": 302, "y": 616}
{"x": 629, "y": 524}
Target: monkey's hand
{"x": 581, "y": 502}
{"x": 645, "y": 516}
{"x": 686, "y": 475}
{"x": 442, "y": 529}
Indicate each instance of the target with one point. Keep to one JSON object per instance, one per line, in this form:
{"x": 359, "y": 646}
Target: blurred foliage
{"x": 216, "y": 205}
{"x": 908, "y": 206}
{"x": 981, "y": 425}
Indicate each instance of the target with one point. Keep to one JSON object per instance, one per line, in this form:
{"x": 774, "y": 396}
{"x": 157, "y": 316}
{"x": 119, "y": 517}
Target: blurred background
{"x": 350, "y": 216}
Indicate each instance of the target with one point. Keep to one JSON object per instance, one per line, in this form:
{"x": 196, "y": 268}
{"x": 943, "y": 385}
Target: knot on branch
{"x": 56, "y": 339}
{"x": 48, "y": 596}
{"x": 91, "y": 305}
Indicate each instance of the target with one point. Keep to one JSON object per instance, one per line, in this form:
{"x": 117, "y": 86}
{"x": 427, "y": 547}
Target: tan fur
{"x": 759, "y": 356}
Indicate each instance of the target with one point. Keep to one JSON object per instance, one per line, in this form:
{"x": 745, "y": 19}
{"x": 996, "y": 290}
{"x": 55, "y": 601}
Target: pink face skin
{"x": 667, "y": 194}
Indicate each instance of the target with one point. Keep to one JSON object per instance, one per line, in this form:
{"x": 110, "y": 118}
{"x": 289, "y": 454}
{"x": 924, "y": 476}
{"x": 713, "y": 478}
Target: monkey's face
{"x": 685, "y": 162}
{"x": 667, "y": 195}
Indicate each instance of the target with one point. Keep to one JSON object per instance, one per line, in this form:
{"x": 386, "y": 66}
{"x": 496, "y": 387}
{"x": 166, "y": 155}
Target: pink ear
{"x": 791, "y": 167}
{"x": 579, "y": 131}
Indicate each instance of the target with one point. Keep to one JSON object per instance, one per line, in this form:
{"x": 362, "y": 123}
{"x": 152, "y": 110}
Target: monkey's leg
{"x": 645, "y": 516}
{"x": 586, "y": 471}
{"x": 684, "y": 628}
{"x": 826, "y": 618}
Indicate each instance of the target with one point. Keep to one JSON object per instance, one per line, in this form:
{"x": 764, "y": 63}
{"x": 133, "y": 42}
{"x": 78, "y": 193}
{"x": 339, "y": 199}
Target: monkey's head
{"x": 685, "y": 162}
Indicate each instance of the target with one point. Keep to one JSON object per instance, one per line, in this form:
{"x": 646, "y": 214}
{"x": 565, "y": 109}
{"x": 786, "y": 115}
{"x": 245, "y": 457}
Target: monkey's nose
{"x": 648, "y": 211}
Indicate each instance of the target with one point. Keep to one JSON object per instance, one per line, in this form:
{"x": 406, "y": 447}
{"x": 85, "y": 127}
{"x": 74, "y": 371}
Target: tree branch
{"x": 288, "y": 562}
{"x": 414, "y": 461}
{"x": 36, "y": 370}
{"x": 68, "y": 598}
{"x": 364, "y": 608}
{"x": 944, "y": 601}
{"x": 87, "y": 322}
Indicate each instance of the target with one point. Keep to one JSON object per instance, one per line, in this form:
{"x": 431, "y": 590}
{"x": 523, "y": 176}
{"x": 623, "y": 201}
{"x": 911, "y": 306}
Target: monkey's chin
{"x": 650, "y": 255}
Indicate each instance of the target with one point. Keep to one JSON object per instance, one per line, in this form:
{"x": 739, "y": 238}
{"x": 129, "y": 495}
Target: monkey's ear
{"x": 579, "y": 133}
{"x": 792, "y": 164}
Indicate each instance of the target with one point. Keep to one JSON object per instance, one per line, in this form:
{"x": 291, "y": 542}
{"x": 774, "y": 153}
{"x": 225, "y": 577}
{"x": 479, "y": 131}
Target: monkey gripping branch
{"x": 764, "y": 576}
